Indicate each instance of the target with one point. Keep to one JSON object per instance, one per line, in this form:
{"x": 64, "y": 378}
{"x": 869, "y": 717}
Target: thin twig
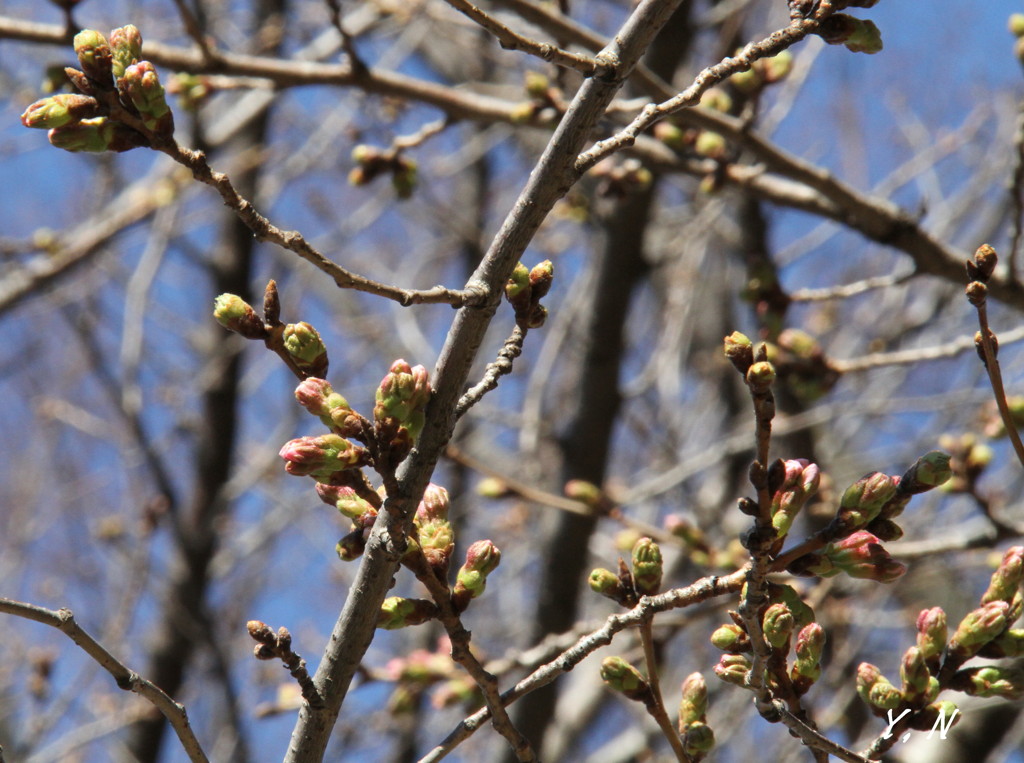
{"x": 347, "y": 42}
{"x": 996, "y": 379}
{"x": 293, "y": 241}
{"x": 64, "y": 621}
{"x": 511, "y": 350}
{"x": 510, "y": 40}
{"x": 653, "y": 681}
{"x": 701, "y": 590}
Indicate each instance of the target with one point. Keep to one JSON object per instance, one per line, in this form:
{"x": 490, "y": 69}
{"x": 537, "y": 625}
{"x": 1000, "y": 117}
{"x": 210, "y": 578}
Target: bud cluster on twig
{"x": 119, "y": 104}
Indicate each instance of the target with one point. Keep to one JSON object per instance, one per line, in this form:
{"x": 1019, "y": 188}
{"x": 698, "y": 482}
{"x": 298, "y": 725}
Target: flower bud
{"x": 731, "y": 638}
{"x": 623, "y": 677}
{"x": 482, "y": 559}
{"x": 990, "y": 681}
{"x": 810, "y": 643}
{"x": 1009, "y": 643}
{"x": 978, "y": 628}
{"x": 518, "y": 284}
{"x": 398, "y": 612}
{"x": 647, "y": 566}
{"x": 126, "y": 48}
{"x": 303, "y": 344}
{"x": 94, "y": 56}
{"x": 140, "y": 85}
{"x": 235, "y": 314}
{"x": 858, "y": 35}
{"x": 95, "y": 135}
{"x": 875, "y": 689}
{"x": 760, "y": 377}
{"x": 914, "y": 674}
{"x": 778, "y": 625}
{"x": 698, "y": 739}
{"x": 346, "y": 500}
{"x": 606, "y": 583}
{"x": 402, "y": 397}
{"x": 931, "y": 635}
{"x": 860, "y": 556}
{"x": 864, "y": 499}
{"x": 693, "y": 704}
{"x": 351, "y": 547}
{"x": 800, "y": 481}
{"x": 739, "y": 351}
{"x": 777, "y": 67}
{"x": 929, "y": 471}
{"x": 733, "y": 668}
{"x": 59, "y": 110}
{"x": 541, "y": 278}
{"x": 1005, "y": 582}
{"x": 321, "y": 456}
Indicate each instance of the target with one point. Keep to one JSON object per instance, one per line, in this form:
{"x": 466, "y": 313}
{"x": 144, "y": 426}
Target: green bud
{"x": 777, "y": 67}
{"x": 482, "y": 559}
{"x": 760, "y": 377}
{"x": 914, "y": 674}
{"x": 346, "y": 500}
{"x": 59, "y": 110}
{"x": 978, "y": 628}
{"x": 518, "y": 286}
{"x": 585, "y": 492}
{"x": 778, "y": 625}
{"x": 693, "y": 704}
{"x": 858, "y": 35}
{"x": 803, "y": 615}
{"x": 647, "y": 566}
{"x": 235, "y": 314}
{"x": 402, "y": 396}
{"x": 536, "y": 84}
{"x": 1009, "y": 643}
{"x": 990, "y": 681}
{"x": 733, "y": 668}
{"x": 710, "y": 144}
{"x": 932, "y": 632}
{"x": 739, "y": 351}
{"x": 606, "y": 583}
{"x": 624, "y": 678}
{"x": 404, "y": 177}
{"x": 1005, "y": 582}
{"x": 929, "y": 471}
{"x": 141, "y": 86}
{"x": 864, "y": 499}
{"x": 397, "y": 612}
{"x": 94, "y": 56}
{"x": 730, "y": 638}
{"x": 351, "y": 547}
{"x": 541, "y": 277}
{"x": 91, "y": 135}
{"x": 321, "y": 457}
{"x": 303, "y": 343}
{"x": 810, "y": 643}
{"x": 698, "y": 739}
{"x": 126, "y": 47}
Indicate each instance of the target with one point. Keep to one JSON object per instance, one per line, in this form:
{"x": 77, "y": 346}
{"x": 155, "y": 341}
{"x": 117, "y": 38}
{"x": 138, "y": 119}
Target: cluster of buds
{"x": 399, "y": 410}
{"x": 691, "y": 140}
{"x": 858, "y": 35}
{"x": 933, "y": 663}
{"x": 319, "y": 398}
{"x": 627, "y": 680}
{"x": 372, "y": 162}
{"x": 628, "y": 586}
{"x": 307, "y": 350}
{"x": 763, "y": 72}
{"x": 546, "y": 100}
{"x": 697, "y": 736}
{"x": 785, "y": 616}
{"x": 619, "y": 179}
{"x": 119, "y": 104}
{"x": 524, "y": 291}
